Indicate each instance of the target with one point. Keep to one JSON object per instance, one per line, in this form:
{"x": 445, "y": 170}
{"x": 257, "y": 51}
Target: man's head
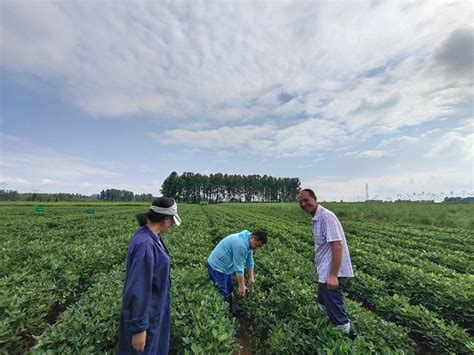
{"x": 308, "y": 201}
{"x": 258, "y": 239}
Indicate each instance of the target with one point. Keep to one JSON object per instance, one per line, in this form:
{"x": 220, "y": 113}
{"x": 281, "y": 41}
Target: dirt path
{"x": 245, "y": 341}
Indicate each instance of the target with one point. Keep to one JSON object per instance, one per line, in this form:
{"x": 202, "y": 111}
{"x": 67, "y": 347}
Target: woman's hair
{"x": 152, "y": 216}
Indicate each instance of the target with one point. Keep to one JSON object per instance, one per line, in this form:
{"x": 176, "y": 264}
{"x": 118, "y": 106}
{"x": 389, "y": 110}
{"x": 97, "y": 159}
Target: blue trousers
{"x": 334, "y": 302}
{"x": 225, "y": 283}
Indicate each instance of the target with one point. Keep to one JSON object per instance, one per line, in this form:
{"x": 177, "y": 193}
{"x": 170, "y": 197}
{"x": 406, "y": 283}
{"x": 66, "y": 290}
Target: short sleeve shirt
{"x": 327, "y": 229}
{"x": 232, "y": 254}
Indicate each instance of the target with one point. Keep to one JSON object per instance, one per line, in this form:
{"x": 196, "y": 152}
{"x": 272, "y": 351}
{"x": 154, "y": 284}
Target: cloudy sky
{"x": 117, "y": 94}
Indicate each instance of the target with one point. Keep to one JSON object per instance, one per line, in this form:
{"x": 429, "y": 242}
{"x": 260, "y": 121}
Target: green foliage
{"x": 429, "y": 214}
{"x": 61, "y": 278}
{"x": 281, "y": 309}
{"x": 91, "y": 324}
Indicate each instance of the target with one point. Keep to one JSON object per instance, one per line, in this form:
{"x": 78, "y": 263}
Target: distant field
{"x": 435, "y": 214}
{"x": 62, "y": 275}
{"x": 74, "y": 203}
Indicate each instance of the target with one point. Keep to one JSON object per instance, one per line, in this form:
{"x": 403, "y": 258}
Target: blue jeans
{"x": 334, "y": 302}
{"x": 225, "y": 283}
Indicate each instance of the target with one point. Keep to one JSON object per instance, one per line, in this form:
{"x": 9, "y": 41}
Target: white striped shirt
{"x": 327, "y": 229}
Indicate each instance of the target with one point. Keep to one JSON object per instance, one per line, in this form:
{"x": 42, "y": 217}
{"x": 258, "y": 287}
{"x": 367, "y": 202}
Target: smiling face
{"x": 307, "y": 202}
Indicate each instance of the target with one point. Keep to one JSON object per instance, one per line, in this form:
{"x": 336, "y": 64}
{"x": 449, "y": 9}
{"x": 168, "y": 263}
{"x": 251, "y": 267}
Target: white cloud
{"x": 25, "y": 166}
{"x": 387, "y": 147}
{"x": 7, "y": 181}
{"x": 397, "y": 142}
{"x": 269, "y": 79}
{"x": 49, "y": 182}
{"x": 51, "y": 164}
{"x": 300, "y": 139}
{"x": 227, "y": 61}
{"x": 453, "y": 145}
{"x": 223, "y": 137}
{"x": 372, "y": 154}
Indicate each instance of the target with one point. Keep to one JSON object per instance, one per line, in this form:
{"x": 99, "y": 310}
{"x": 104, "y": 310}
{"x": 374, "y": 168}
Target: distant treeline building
{"x": 196, "y": 188}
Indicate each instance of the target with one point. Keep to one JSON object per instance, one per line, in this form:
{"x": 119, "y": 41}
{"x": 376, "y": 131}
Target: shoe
{"x": 346, "y": 328}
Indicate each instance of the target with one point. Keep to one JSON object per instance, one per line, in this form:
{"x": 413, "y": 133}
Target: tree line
{"x": 196, "y": 188}
{"x": 112, "y": 195}
{"x": 459, "y": 199}
{"x": 123, "y": 195}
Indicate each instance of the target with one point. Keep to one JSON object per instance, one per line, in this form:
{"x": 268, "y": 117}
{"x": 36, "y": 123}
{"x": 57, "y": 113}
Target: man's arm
{"x": 238, "y": 259}
{"x": 251, "y": 275}
{"x": 336, "y": 261}
{"x": 241, "y": 282}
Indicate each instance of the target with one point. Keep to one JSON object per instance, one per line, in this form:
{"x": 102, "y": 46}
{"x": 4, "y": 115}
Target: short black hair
{"x": 310, "y": 192}
{"x": 261, "y": 236}
{"x": 162, "y": 201}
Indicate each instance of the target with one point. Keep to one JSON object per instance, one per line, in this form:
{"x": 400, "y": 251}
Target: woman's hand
{"x": 138, "y": 341}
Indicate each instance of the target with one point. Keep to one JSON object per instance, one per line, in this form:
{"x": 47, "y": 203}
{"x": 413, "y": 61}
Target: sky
{"x": 118, "y": 94}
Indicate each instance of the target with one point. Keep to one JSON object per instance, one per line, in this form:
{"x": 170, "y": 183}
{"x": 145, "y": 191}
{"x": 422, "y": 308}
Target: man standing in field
{"x": 333, "y": 262}
{"x": 231, "y": 255}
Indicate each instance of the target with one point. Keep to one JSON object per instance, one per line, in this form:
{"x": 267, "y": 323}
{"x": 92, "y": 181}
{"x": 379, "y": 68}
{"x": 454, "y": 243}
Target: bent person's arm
{"x": 241, "y": 282}
{"x": 238, "y": 259}
{"x": 251, "y": 275}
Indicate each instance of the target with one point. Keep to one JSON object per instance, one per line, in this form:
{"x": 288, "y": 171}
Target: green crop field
{"x": 62, "y": 272}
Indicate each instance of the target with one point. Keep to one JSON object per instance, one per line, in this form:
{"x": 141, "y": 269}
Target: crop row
{"x": 62, "y": 275}
{"x": 61, "y": 291}
{"x": 457, "y": 241}
{"x": 42, "y": 276}
{"x": 281, "y": 309}
{"x": 450, "y": 297}
{"x": 440, "y": 289}
{"x": 456, "y": 260}
{"x": 409, "y": 237}
{"x": 426, "y": 326}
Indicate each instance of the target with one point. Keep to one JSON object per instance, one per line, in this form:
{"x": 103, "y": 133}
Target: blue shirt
{"x": 232, "y": 254}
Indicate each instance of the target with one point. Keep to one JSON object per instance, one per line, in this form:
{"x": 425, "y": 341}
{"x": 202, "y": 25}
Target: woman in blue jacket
{"x": 146, "y": 309}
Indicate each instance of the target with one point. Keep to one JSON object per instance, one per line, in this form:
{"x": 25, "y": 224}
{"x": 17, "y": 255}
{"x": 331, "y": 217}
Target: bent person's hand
{"x": 242, "y": 291}
{"x": 138, "y": 341}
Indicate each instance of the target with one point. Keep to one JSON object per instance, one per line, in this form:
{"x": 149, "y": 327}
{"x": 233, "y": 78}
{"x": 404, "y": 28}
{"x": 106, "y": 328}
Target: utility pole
{"x": 366, "y": 191}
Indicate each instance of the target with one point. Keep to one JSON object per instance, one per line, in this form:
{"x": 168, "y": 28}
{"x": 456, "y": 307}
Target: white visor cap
{"x": 169, "y": 211}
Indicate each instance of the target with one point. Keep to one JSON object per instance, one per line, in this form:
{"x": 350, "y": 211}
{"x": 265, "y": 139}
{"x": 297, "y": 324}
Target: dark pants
{"x": 334, "y": 302}
{"x": 225, "y": 283}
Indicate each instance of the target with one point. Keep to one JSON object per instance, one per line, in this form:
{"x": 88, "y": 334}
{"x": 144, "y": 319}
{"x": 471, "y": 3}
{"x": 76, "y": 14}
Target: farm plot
{"x": 62, "y": 275}
{"x": 432, "y": 301}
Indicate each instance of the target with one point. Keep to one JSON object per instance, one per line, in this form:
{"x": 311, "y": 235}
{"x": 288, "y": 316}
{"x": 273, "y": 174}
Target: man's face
{"x": 255, "y": 244}
{"x": 307, "y": 203}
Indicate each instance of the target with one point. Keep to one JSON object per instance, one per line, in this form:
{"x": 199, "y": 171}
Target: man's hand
{"x": 332, "y": 282}
{"x": 252, "y": 280}
{"x": 242, "y": 291}
{"x": 138, "y": 341}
